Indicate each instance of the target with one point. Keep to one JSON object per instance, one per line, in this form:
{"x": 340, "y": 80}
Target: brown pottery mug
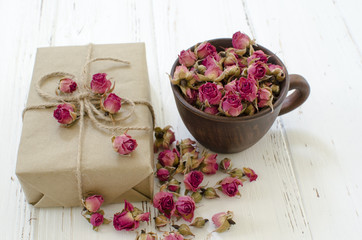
{"x": 223, "y": 134}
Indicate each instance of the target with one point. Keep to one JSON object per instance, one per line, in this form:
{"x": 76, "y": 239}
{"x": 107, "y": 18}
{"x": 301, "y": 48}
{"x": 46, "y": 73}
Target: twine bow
{"x": 85, "y": 98}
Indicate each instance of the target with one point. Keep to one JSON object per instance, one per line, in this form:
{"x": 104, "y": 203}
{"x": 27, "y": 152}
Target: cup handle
{"x": 298, "y": 97}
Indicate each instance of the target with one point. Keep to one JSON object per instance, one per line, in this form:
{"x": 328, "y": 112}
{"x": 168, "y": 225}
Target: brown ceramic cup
{"x": 234, "y": 134}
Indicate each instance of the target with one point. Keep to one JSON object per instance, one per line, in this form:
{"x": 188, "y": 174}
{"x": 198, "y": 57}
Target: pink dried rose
{"x": 192, "y": 180}
{"x": 181, "y": 72}
{"x": 93, "y": 203}
{"x": 125, "y": 221}
{"x": 250, "y": 174}
{"x": 164, "y": 138}
{"x": 65, "y": 113}
{"x": 258, "y": 56}
{"x": 184, "y": 207}
{"x": 124, "y": 144}
{"x": 212, "y": 110}
{"x": 191, "y": 95}
{"x": 265, "y": 97}
{"x": 67, "y": 85}
{"x": 257, "y": 70}
{"x": 163, "y": 174}
{"x": 187, "y": 58}
{"x": 231, "y": 58}
{"x": 143, "y": 217}
{"x": 96, "y": 219}
{"x": 100, "y": 84}
{"x": 223, "y": 221}
{"x": 205, "y": 49}
{"x": 276, "y": 70}
{"x": 112, "y": 103}
{"x": 225, "y": 164}
{"x": 240, "y": 40}
{"x": 213, "y": 72}
{"x": 209, "y": 164}
{"x": 163, "y": 201}
{"x": 247, "y": 88}
{"x": 231, "y": 105}
{"x": 211, "y": 60}
{"x": 229, "y": 186}
{"x": 173, "y": 186}
{"x": 168, "y": 158}
{"x": 210, "y": 94}
{"x": 173, "y": 236}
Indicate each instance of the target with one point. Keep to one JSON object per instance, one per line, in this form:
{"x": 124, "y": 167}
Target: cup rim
{"x": 282, "y": 95}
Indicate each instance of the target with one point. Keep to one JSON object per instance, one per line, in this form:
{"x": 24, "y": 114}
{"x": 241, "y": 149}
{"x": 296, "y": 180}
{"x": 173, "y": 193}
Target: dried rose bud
{"x": 186, "y": 145}
{"x": 250, "y": 110}
{"x": 210, "y": 94}
{"x": 173, "y": 186}
{"x": 93, "y": 203}
{"x": 258, "y": 56}
{"x": 67, "y": 85}
{"x": 146, "y": 236}
{"x": 168, "y": 158}
{"x": 196, "y": 196}
{"x": 187, "y": 58}
{"x": 199, "y": 222}
{"x": 164, "y": 138}
{"x": 100, "y": 84}
{"x": 225, "y": 164}
{"x": 223, "y": 221}
{"x": 236, "y": 172}
{"x": 124, "y": 144}
{"x": 213, "y": 72}
{"x": 173, "y": 236}
{"x": 275, "y": 89}
{"x": 111, "y": 104}
{"x": 183, "y": 229}
{"x": 240, "y": 40}
{"x": 210, "y": 193}
{"x": 205, "y": 49}
{"x": 229, "y": 186}
{"x": 143, "y": 217}
{"x": 161, "y": 221}
{"x": 265, "y": 97}
{"x": 163, "y": 201}
{"x": 247, "y": 88}
{"x": 211, "y": 110}
{"x": 277, "y": 71}
{"x": 209, "y": 165}
{"x": 257, "y": 70}
{"x": 231, "y": 105}
{"x": 163, "y": 174}
{"x": 124, "y": 221}
{"x": 231, "y": 58}
{"x": 184, "y": 207}
{"x": 192, "y": 180}
{"x": 96, "y": 219}
{"x": 191, "y": 95}
{"x": 181, "y": 72}
{"x": 65, "y": 113}
{"x": 250, "y": 174}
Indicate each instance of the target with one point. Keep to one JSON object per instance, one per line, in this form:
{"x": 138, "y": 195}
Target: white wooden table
{"x": 309, "y": 163}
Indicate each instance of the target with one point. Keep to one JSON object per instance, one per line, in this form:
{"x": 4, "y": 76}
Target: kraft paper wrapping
{"x": 46, "y": 166}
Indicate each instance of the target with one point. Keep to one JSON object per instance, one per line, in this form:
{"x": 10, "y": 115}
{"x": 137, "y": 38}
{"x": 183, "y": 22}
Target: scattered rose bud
{"x": 173, "y": 186}
{"x": 161, "y": 221}
{"x": 169, "y": 158}
{"x": 163, "y": 174}
{"x": 65, "y": 113}
{"x": 231, "y": 105}
{"x": 223, "y": 221}
{"x": 258, "y": 56}
{"x": 146, "y": 236}
{"x": 192, "y": 180}
{"x": 210, "y": 193}
{"x": 247, "y": 88}
{"x": 67, "y": 85}
{"x": 229, "y": 186}
{"x": 96, "y": 219}
{"x": 250, "y": 174}
{"x": 186, "y": 145}
{"x": 240, "y": 40}
{"x": 112, "y": 103}
{"x": 142, "y": 217}
{"x": 124, "y": 221}
{"x": 184, "y": 207}
{"x": 209, "y": 164}
{"x": 100, "y": 84}
{"x": 236, "y": 173}
{"x": 173, "y": 236}
{"x": 124, "y": 144}
{"x": 163, "y": 201}
{"x": 205, "y": 49}
{"x": 209, "y": 94}
{"x": 257, "y": 70}
{"x": 164, "y": 138}
{"x": 183, "y": 229}
{"x": 196, "y": 196}
{"x": 225, "y": 164}
{"x": 265, "y": 97}
{"x": 93, "y": 203}
{"x": 199, "y": 222}
{"x": 187, "y": 58}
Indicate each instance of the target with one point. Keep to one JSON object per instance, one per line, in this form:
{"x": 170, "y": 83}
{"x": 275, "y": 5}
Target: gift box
{"x": 56, "y": 165}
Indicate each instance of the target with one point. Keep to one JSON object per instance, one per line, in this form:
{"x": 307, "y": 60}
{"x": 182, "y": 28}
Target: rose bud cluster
{"x": 130, "y": 217}
{"x": 92, "y": 211}
{"x": 232, "y": 82}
